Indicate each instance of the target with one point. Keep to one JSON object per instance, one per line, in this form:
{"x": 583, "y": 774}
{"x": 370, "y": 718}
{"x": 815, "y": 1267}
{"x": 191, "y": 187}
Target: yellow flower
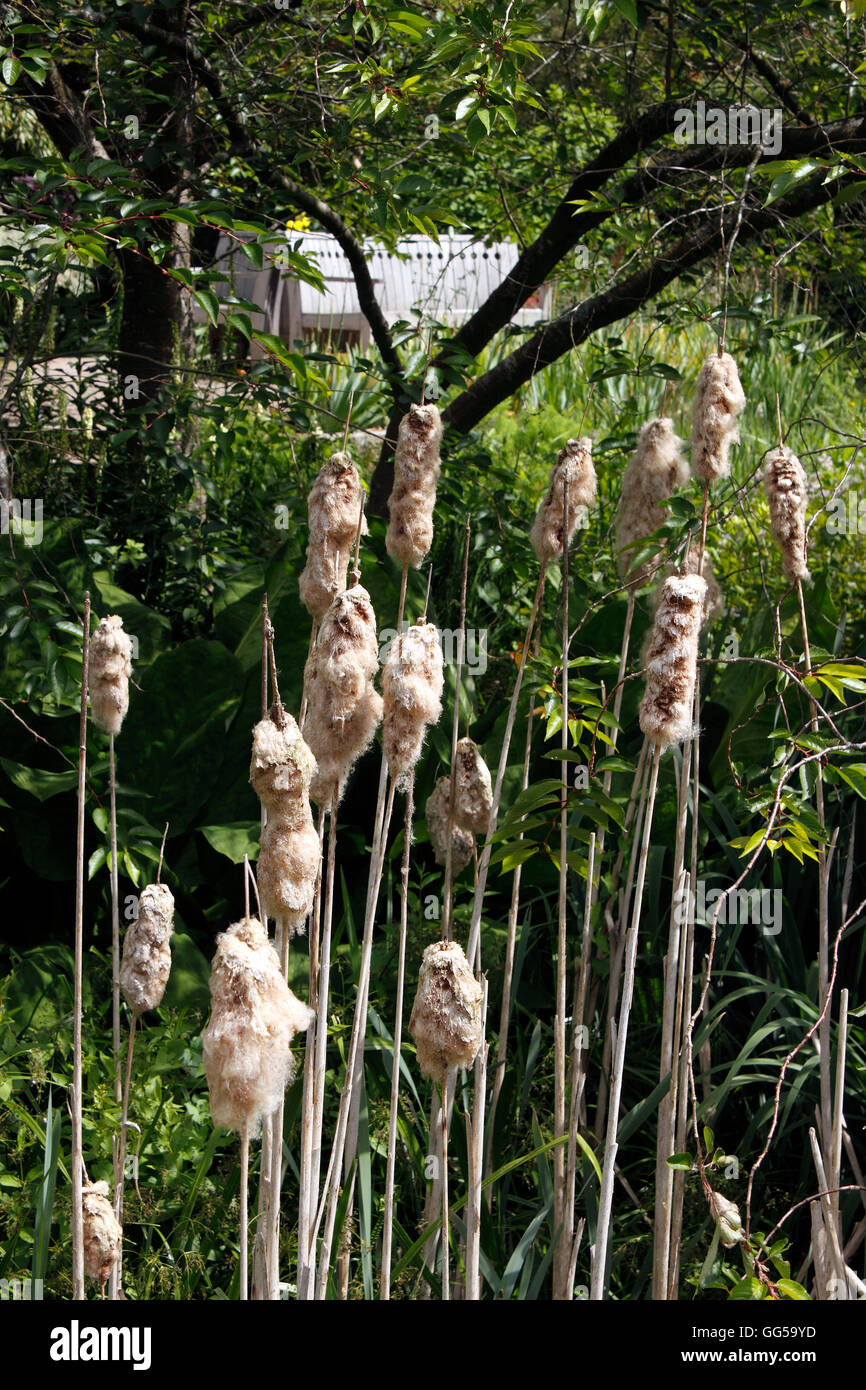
{"x": 299, "y": 224}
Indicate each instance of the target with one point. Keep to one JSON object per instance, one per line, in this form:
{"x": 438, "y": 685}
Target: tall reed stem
{"x": 77, "y": 1122}
{"x": 396, "y": 1052}
{"x": 475, "y": 1164}
{"x": 562, "y": 1254}
{"x": 244, "y": 1232}
{"x": 605, "y": 1201}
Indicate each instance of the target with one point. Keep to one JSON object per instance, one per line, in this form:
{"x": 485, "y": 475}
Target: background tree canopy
{"x": 611, "y": 144}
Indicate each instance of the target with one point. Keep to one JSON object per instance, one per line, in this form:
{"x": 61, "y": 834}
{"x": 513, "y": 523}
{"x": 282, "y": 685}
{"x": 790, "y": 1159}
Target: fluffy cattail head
{"x": 334, "y": 508}
{"x": 446, "y": 1020}
{"x": 655, "y": 469}
{"x": 254, "y": 1017}
{"x": 102, "y": 1231}
{"x": 572, "y": 485}
{"x": 343, "y": 710}
{"x": 462, "y": 842}
{"x": 282, "y": 765}
{"x": 146, "y": 963}
{"x": 412, "y": 687}
{"x": 110, "y": 670}
{"x": 473, "y": 789}
{"x": 666, "y": 711}
{"x": 287, "y": 869}
{"x": 719, "y": 399}
{"x": 785, "y": 486}
{"x": 413, "y": 496}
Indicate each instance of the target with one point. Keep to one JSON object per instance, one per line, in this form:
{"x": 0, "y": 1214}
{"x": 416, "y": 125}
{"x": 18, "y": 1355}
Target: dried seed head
{"x": 446, "y": 1020}
{"x": 666, "y": 711}
{"x": 254, "y": 1017}
{"x": 110, "y": 670}
{"x": 282, "y": 766}
{"x": 473, "y": 789}
{"x": 574, "y": 474}
{"x": 146, "y": 963}
{"x": 655, "y": 469}
{"x": 719, "y": 399}
{"x": 334, "y": 508}
{"x": 287, "y": 868}
{"x": 727, "y": 1217}
{"x": 412, "y": 687}
{"x": 102, "y": 1231}
{"x": 413, "y": 496}
{"x": 462, "y": 842}
{"x": 343, "y": 710}
{"x": 714, "y": 602}
{"x": 785, "y": 486}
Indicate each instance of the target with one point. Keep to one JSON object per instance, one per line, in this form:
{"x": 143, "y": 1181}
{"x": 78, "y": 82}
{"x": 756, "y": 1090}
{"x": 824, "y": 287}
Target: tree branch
{"x": 578, "y": 323}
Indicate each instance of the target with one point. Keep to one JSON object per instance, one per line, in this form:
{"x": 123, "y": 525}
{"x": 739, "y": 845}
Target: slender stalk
{"x": 562, "y": 1253}
{"x": 115, "y": 923}
{"x": 388, "y": 1226}
{"x": 116, "y": 1276}
{"x": 261, "y": 1262}
{"x": 836, "y": 1145}
{"x": 311, "y": 1126}
{"x": 578, "y": 1032}
{"x": 670, "y": 1010}
{"x": 455, "y": 733}
{"x": 244, "y": 1233}
{"x": 446, "y": 1235}
{"x": 77, "y": 1124}
{"x": 484, "y": 864}
{"x": 475, "y": 1157}
{"x": 605, "y": 1202}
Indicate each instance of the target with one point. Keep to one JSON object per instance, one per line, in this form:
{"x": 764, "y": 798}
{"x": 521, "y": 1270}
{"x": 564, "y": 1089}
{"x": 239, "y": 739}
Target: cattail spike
{"x": 785, "y": 486}
{"x": 412, "y": 684}
{"x": 333, "y": 508}
{"x": 446, "y": 1020}
{"x": 654, "y": 471}
{"x": 572, "y": 487}
{"x": 666, "y": 711}
{"x": 413, "y": 496}
{"x": 719, "y": 399}
{"x": 146, "y": 963}
{"x": 110, "y": 670}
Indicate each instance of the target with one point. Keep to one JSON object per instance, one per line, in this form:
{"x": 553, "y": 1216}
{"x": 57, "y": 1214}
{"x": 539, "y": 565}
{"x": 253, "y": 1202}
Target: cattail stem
{"x": 114, "y": 1279}
{"x": 475, "y": 1157}
{"x": 605, "y": 1201}
{"x": 315, "y": 1060}
{"x": 388, "y": 1225}
{"x": 836, "y": 1145}
{"x": 307, "y": 1289}
{"x": 244, "y": 1231}
{"x": 115, "y": 923}
{"x": 260, "y": 1254}
{"x": 484, "y": 863}
{"x": 446, "y": 1233}
{"x": 77, "y": 1122}
{"x": 455, "y": 732}
{"x": 510, "y": 948}
{"x": 670, "y": 1011}
{"x": 563, "y": 1247}
{"x": 578, "y": 1052}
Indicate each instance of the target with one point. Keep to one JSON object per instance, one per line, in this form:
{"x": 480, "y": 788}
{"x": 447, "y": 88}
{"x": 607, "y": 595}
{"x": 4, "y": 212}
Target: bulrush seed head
{"x": 282, "y": 767}
{"x": 110, "y": 670}
{"x": 413, "y": 496}
{"x": 146, "y": 963}
{"x": 334, "y": 508}
{"x": 462, "y": 842}
{"x": 412, "y": 682}
{"x": 343, "y": 710}
{"x": 575, "y": 472}
{"x": 655, "y": 469}
{"x": 287, "y": 868}
{"x": 254, "y": 1017}
{"x": 719, "y": 399}
{"x": 473, "y": 789}
{"x": 785, "y": 486}
{"x": 666, "y": 711}
{"x": 102, "y": 1231}
{"x": 446, "y": 1020}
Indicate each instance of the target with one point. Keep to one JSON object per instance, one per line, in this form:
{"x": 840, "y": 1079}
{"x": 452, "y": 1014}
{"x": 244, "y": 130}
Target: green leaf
{"x": 789, "y": 1288}
{"x": 234, "y": 840}
{"x": 628, "y": 9}
{"x": 37, "y": 782}
{"x": 209, "y": 302}
{"x": 684, "y": 1162}
{"x": 749, "y": 1288}
{"x": 11, "y": 69}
